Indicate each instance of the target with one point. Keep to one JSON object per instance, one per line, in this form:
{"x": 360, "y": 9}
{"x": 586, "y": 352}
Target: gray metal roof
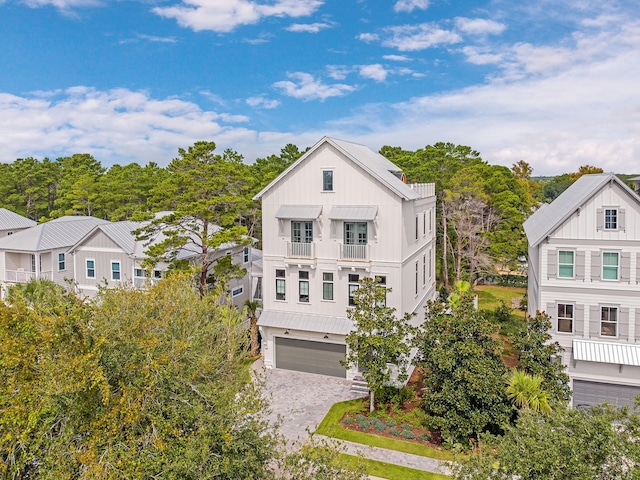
{"x": 604, "y": 352}
{"x": 548, "y": 217}
{"x": 59, "y": 233}
{"x": 299, "y": 212}
{"x": 10, "y": 220}
{"x": 361, "y": 212}
{"x": 119, "y": 232}
{"x": 373, "y": 163}
{"x": 304, "y": 322}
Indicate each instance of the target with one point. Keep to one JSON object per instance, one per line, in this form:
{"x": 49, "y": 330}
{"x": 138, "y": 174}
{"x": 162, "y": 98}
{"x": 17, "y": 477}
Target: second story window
{"x": 303, "y": 285}
{"x": 301, "y": 232}
{"x": 91, "y": 269}
{"x": 327, "y": 286}
{"x": 61, "y": 262}
{"x": 609, "y": 321}
{"x": 280, "y": 285}
{"x": 610, "y": 262}
{"x": 610, "y": 219}
{"x": 382, "y": 280}
{"x": 115, "y": 270}
{"x": 353, "y": 288}
{"x": 565, "y": 318}
{"x": 417, "y": 222}
{"x": 327, "y": 180}
{"x": 355, "y": 233}
{"x": 565, "y": 264}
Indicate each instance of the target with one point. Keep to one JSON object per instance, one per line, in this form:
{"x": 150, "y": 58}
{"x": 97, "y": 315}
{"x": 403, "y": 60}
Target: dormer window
{"x": 327, "y": 180}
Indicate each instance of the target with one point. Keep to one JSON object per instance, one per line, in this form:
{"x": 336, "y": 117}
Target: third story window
{"x": 355, "y": 233}
{"x": 565, "y": 318}
{"x": 609, "y": 321}
{"x": 115, "y": 270}
{"x": 91, "y": 269}
{"x": 610, "y": 219}
{"x": 327, "y": 286}
{"x": 301, "y": 232}
{"x": 610, "y": 265}
{"x": 327, "y": 180}
{"x": 565, "y": 264}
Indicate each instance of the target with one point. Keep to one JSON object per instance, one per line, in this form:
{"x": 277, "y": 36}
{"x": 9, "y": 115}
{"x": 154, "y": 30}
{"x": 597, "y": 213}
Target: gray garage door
{"x": 311, "y": 357}
{"x": 593, "y": 393}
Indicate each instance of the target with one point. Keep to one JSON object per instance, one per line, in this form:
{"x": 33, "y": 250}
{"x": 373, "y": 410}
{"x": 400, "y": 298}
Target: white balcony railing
{"x": 300, "y": 250}
{"x": 21, "y": 276}
{"x": 424, "y": 189}
{"x": 354, "y": 252}
{"x": 142, "y": 282}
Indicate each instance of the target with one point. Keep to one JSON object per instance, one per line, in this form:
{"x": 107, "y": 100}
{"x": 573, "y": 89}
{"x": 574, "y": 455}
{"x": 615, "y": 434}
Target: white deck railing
{"x": 300, "y": 250}
{"x": 22, "y": 276}
{"x": 354, "y": 252}
{"x": 424, "y": 189}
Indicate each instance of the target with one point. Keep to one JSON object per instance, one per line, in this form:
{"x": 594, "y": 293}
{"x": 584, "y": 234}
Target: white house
{"x": 11, "y": 222}
{"x": 341, "y": 212}
{"x": 584, "y": 271}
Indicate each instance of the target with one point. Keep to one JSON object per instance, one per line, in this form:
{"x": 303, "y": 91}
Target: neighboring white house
{"x": 584, "y": 271}
{"x": 11, "y": 222}
{"x": 340, "y": 213}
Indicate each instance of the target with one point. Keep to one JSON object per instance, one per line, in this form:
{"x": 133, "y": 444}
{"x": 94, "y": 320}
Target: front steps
{"x": 359, "y": 385}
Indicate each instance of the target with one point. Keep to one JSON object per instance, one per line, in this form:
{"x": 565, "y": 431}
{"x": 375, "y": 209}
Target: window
{"x": 382, "y": 280}
{"x": 353, "y": 287}
{"x": 33, "y": 263}
{"x": 610, "y": 219}
{"x": 61, "y": 262}
{"x": 327, "y": 180}
{"x": 301, "y": 232}
{"x": 237, "y": 291}
{"x": 416, "y": 278}
{"x": 417, "y": 227}
{"x": 609, "y": 321}
{"x": 610, "y": 265}
{"x": 138, "y": 272}
{"x": 430, "y": 264}
{"x": 303, "y": 286}
{"x": 430, "y": 220}
{"x": 157, "y": 274}
{"x": 565, "y": 318}
{"x": 91, "y": 269}
{"x": 565, "y": 264}
{"x": 327, "y": 286}
{"x": 424, "y": 270}
{"x": 9, "y": 233}
{"x": 424, "y": 223}
{"x": 245, "y": 255}
{"x": 355, "y": 233}
{"x": 280, "y": 285}
{"x": 115, "y": 270}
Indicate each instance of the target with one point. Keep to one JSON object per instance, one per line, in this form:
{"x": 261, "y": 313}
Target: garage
{"x": 593, "y": 393}
{"x": 310, "y": 357}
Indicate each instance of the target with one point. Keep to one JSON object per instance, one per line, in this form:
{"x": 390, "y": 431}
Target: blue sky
{"x": 555, "y": 83}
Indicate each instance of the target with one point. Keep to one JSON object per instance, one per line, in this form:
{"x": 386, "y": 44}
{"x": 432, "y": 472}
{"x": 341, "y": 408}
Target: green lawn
{"x": 330, "y": 426}
{"x": 489, "y": 297}
{"x": 391, "y": 471}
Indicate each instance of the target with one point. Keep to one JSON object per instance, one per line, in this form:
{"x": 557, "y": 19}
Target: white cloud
{"x": 308, "y": 27}
{"x": 396, "y": 58}
{"x": 410, "y": 5}
{"x": 148, "y": 38}
{"x": 368, "y": 37}
{"x": 64, "y": 5}
{"x": 305, "y": 87}
{"x": 408, "y": 38}
{"x": 226, "y": 15}
{"x": 262, "y": 102}
{"x": 338, "y": 72}
{"x": 375, "y": 72}
{"x": 479, "y": 26}
{"x": 481, "y": 56}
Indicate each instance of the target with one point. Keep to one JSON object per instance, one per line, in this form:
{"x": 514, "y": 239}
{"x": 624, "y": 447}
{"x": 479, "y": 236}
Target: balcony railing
{"x": 424, "y": 189}
{"x": 300, "y": 250}
{"x": 142, "y": 282}
{"x": 354, "y": 252}
{"x": 22, "y": 276}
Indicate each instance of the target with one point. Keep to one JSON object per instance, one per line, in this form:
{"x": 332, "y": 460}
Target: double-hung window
{"x": 91, "y": 269}
{"x": 609, "y": 321}
{"x": 382, "y": 281}
{"x": 327, "y": 286}
{"x": 610, "y": 219}
{"x": 280, "y": 285}
{"x": 327, "y": 180}
{"x": 245, "y": 255}
{"x": 303, "y": 286}
{"x": 301, "y": 232}
{"x": 610, "y": 264}
{"x": 424, "y": 270}
{"x": 565, "y": 317}
{"x": 61, "y": 262}
{"x": 115, "y": 270}
{"x": 566, "y": 264}
{"x": 353, "y": 288}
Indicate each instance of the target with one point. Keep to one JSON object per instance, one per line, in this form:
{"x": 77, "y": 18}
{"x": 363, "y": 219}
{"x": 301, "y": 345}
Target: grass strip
{"x": 330, "y": 426}
{"x": 389, "y": 470}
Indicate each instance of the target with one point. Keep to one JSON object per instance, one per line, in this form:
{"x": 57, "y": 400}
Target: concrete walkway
{"x": 300, "y": 401}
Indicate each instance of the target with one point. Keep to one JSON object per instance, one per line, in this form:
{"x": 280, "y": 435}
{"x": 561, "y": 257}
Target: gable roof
{"x": 119, "y": 232}
{"x": 371, "y": 162}
{"x": 59, "y": 233}
{"x": 10, "y": 220}
{"x": 549, "y": 216}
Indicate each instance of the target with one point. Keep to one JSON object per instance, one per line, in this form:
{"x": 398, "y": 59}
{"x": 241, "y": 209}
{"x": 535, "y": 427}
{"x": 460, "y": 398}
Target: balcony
{"x": 300, "y": 250}
{"x": 21, "y": 276}
{"x": 143, "y": 282}
{"x": 354, "y": 252}
{"x": 425, "y": 190}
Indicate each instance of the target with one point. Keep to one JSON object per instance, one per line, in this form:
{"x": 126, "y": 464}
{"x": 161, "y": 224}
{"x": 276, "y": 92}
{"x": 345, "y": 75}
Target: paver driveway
{"x": 302, "y": 399}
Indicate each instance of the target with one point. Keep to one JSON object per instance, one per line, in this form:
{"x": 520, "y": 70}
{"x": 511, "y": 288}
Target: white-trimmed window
{"x": 382, "y": 280}
{"x": 566, "y": 263}
{"x": 303, "y": 286}
{"x": 430, "y": 220}
{"x": 609, "y": 321}
{"x": 610, "y": 218}
{"x": 610, "y": 265}
{"x": 245, "y": 255}
{"x": 353, "y": 287}
{"x": 424, "y": 270}
{"x": 327, "y": 180}
{"x": 301, "y": 232}
{"x": 115, "y": 271}
{"x": 424, "y": 223}
{"x": 355, "y": 233}
{"x": 416, "y": 278}
{"x": 61, "y": 262}
{"x": 157, "y": 274}
{"x": 91, "y": 268}
{"x": 237, "y": 291}
{"x": 565, "y": 317}
{"x": 417, "y": 223}
{"x": 281, "y": 286}
{"x": 327, "y": 285}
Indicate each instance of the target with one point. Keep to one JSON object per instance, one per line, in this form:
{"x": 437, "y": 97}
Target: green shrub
{"x": 360, "y": 417}
{"x": 394, "y": 396}
{"x": 425, "y": 437}
{"x": 408, "y": 434}
{"x": 395, "y": 432}
{"x": 406, "y": 426}
{"x": 364, "y": 424}
{"x": 390, "y": 422}
{"x": 348, "y": 421}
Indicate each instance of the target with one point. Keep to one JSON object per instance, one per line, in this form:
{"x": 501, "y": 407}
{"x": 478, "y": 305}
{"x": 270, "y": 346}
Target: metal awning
{"x": 605, "y": 352}
{"x": 364, "y": 212}
{"x": 299, "y": 212}
{"x": 304, "y": 322}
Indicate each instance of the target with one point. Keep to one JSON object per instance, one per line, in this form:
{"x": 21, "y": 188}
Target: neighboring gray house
{"x": 11, "y": 222}
{"x": 584, "y": 271}
{"x": 340, "y": 213}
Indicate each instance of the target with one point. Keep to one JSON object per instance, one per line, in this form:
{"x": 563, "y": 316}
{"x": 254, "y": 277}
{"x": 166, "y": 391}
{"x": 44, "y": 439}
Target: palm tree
{"x": 526, "y": 392}
{"x": 252, "y": 310}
